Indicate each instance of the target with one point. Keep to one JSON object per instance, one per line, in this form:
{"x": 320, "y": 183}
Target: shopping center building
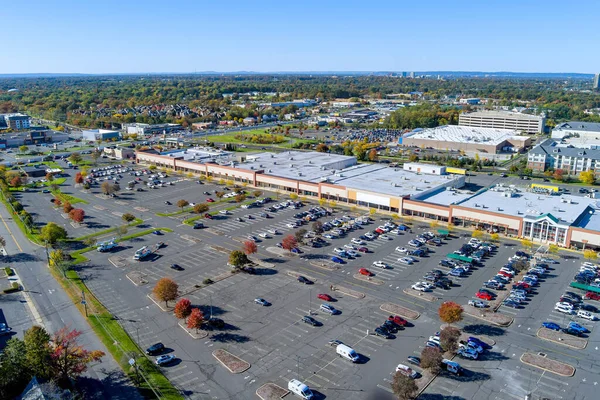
{"x": 416, "y": 190}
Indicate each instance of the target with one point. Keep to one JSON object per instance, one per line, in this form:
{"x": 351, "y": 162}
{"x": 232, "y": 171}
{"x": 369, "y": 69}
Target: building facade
{"x": 572, "y": 160}
{"x": 572, "y": 222}
{"x": 504, "y": 120}
{"x": 96, "y": 135}
{"x": 150, "y": 129}
{"x": 587, "y": 132}
{"x": 596, "y": 83}
{"x": 16, "y": 121}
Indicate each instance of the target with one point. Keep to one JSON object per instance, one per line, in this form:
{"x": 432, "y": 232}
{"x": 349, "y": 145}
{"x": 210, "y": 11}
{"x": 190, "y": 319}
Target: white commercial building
{"x": 504, "y": 120}
{"x": 584, "y": 131}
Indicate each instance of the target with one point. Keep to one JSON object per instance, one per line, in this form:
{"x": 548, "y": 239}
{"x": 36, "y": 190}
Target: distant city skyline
{"x": 67, "y": 36}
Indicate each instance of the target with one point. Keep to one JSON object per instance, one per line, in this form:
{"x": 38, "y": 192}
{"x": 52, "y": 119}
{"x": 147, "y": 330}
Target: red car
{"x": 363, "y": 249}
{"x": 483, "y": 295}
{"x": 524, "y": 284}
{"x": 207, "y": 216}
{"x": 506, "y": 274}
{"x": 397, "y": 320}
{"x": 325, "y": 297}
{"x": 209, "y": 200}
{"x": 380, "y": 231}
{"x": 364, "y": 271}
{"x": 592, "y": 296}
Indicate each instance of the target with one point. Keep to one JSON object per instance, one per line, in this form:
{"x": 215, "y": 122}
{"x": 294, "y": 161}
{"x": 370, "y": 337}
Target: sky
{"x": 131, "y": 36}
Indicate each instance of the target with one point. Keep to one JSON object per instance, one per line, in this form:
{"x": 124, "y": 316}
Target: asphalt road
{"x": 55, "y": 309}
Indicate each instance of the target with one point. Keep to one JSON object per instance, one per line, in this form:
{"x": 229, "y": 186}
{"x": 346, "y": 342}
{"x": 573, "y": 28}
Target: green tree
{"x": 127, "y": 217}
{"x": 37, "y": 345}
{"x": 23, "y": 149}
{"x": 14, "y": 373}
{"x": 75, "y": 158}
{"x": 238, "y": 258}
{"x": 51, "y": 233}
{"x": 95, "y": 156}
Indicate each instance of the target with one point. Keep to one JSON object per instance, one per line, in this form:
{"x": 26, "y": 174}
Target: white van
{"x": 300, "y": 389}
{"x": 347, "y": 352}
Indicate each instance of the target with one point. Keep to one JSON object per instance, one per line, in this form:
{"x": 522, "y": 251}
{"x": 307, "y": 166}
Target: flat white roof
{"x": 591, "y": 220}
{"x": 531, "y": 204}
{"x": 465, "y": 134}
{"x": 396, "y": 182}
{"x": 502, "y": 114}
{"x": 446, "y": 197}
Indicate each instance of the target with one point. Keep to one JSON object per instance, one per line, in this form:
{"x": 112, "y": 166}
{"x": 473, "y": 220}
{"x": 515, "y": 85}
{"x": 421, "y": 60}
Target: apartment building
{"x": 572, "y": 160}
{"x": 525, "y": 123}
{"x": 586, "y": 132}
{"x": 16, "y": 121}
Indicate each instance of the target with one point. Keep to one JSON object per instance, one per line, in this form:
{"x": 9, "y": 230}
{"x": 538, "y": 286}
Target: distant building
{"x": 468, "y": 139}
{"x": 95, "y": 135}
{"x": 202, "y": 125}
{"x": 36, "y": 171}
{"x": 504, "y": 120}
{"x": 249, "y": 121}
{"x": 150, "y": 129}
{"x": 471, "y": 101}
{"x": 412, "y": 75}
{"x": 16, "y": 121}
{"x": 596, "y": 84}
{"x": 551, "y": 154}
{"x": 120, "y": 153}
{"x": 32, "y": 137}
{"x": 585, "y": 131}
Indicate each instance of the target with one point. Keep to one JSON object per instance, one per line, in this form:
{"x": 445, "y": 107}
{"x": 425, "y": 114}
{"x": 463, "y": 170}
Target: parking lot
{"x": 274, "y": 339}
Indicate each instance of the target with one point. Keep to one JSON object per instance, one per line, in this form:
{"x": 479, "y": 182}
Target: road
{"x": 54, "y": 309}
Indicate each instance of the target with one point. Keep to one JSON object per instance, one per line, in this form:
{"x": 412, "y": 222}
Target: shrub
{"x": 207, "y": 281}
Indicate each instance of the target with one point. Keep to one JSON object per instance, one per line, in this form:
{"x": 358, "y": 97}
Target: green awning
{"x": 443, "y": 232}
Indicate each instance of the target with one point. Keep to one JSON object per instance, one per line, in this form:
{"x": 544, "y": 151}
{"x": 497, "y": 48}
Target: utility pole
{"x": 84, "y": 302}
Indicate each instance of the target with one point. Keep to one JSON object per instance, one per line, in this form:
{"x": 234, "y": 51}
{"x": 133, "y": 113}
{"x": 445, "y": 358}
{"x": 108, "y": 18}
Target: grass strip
{"x": 135, "y": 222}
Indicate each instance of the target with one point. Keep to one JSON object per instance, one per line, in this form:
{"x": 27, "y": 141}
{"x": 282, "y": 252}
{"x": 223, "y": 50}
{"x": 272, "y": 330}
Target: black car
{"x": 391, "y": 326}
{"x": 302, "y": 279}
{"x": 446, "y": 263}
{"x": 177, "y": 267}
{"x": 571, "y": 294}
{"x": 383, "y": 333}
{"x": 156, "y": 348}
{"x": 310, "y": 320}
{"x": 570, "y": 300}
{"x": 198, "y": 225}
{"x": 446, "y": 285}
{"x": 588, "y": 307}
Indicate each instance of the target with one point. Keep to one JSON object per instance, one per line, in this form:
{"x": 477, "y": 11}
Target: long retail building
{"x": 415, "y": 190}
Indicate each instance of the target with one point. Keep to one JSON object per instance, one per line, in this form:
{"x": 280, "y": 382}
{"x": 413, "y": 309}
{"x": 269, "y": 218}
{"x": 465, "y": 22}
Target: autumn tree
{"x": 477, "y": 234}
{"x": 249, "y": 247}
{"x": 257, "y": 193}
{"x": 78, "y": 178}
{"x": 449, "y": 339}
{"x": 240, "y": 197}
{"x": 238, "y": 258}
{"x": 107, "y": 188}
{"x": 182, "y": 203}
{"x": 404, "y": 387}
{"x": 201, "y": 208}
{"x": 526, "y": 244}
{"x": 16, "y": 181}
{"x": 289, "y": 242}
{"x": 51, "y": 233}
{"x": 220, "y": 194}
{"x": 495, "y": 238}
{"x": 38, "y": 352}
{"x": 587, "y": 177}
{"x": 49, "y": 177}
{"x": 95, "y": 156}
{"x": 322, "y": 148}
{"x": 77, "y": 215}
{"x": 166, "y": 290}
{"x": 183, "y": 309}
{"x": 450, "y": 312}
{"x": 122, "y": 231}
{"x": 57, "y": 202}
{"x": 431, "y": 359}
{"x": 69, "y": 358}
{"x": 127, "y": 217}
{"x": 558, "y": 174}
{"x": 195, "y": 319}
{"x": 372, "y": 155}
{"x": 590, "y": 254}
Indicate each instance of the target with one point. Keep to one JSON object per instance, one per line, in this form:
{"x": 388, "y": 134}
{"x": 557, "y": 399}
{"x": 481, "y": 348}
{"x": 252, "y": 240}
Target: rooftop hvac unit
{"x": 291, "y": 165}
{"x": 261, "y": 166}
{"x": 519, "y": 212}
{"x": 310, "y": 161}
{"x": 291, "y": 158}
{"x": 252, "y": 167}
{"x": 499, "y": 209}
{"x": 299, "y": 173}
{"x": 274, "y": 162}
{"x": 476, "y": 205}
{"x": 270, "y": 171}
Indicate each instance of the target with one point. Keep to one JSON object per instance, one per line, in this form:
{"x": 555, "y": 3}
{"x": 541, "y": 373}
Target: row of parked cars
{"x": 588, "y": 274}
{"x": 470, "y": 348}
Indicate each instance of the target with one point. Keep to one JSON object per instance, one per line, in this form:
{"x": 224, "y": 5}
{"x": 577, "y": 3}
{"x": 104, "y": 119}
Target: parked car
{"x": 304, "y": 280}
{"x": 483, "y": 295}
{"x": 397, "y": 320}
{"x": 477, "y": 304}
{"x": 325, "y": 297}
{"x": 262, "y": 302}
{"x": 364, "y": 271}
{"x": 164, "y": 359}
{"x": 310, "y": 320}
{"x": 586, "y": 315}
{"x": 468, "y": 353}
{"x": 382, "y": 332}
{"x": 551, "y": 325}
{"x": 155, "y": 349}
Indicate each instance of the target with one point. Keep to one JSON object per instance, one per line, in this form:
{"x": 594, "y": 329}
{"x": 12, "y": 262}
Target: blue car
{"x": 575, "y": 326}
{"x": 551, "y": 325}
{"x": 337, "y": 260}
{"x": 479, "y": 342}
{"x": 456, "y": 272}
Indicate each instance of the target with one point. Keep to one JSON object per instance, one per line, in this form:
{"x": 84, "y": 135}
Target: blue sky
{"x": 328, "y": 35}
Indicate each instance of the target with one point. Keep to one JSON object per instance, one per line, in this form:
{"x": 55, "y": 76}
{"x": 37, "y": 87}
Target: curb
{"x": 381, "y": 307}
{"x": 349, "y": 292}
{"x": 537, "y": 334}
{"x": 225, "y": 365}
{"x": 193, "y": 335}
{"x": 269, "y": 383}
{"x": 548, "y": 370}
{"x": 158, "y": 304}
{"x": 490, "y": 321}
